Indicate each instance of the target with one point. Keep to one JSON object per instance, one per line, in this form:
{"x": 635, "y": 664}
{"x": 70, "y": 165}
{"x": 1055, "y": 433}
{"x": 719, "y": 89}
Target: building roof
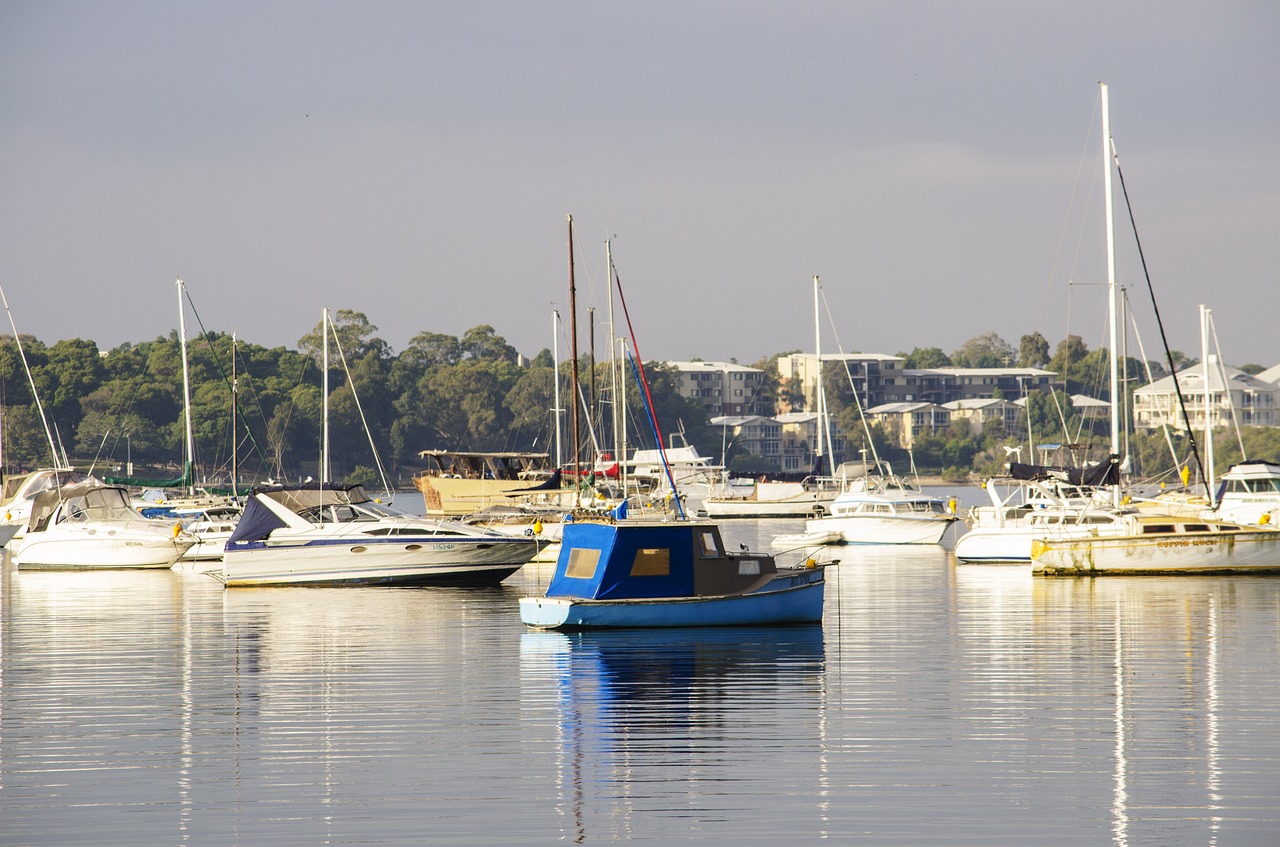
{"x": 1271, "y": 375}
{"x": 718, "y": 367}
{"x": 1191, "y": 381}
{"x": 971, "y": 403}
{"x": 902, "y": 408}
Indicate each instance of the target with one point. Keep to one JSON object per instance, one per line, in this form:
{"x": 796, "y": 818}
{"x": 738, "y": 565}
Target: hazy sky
{"x": 937, "y": 164}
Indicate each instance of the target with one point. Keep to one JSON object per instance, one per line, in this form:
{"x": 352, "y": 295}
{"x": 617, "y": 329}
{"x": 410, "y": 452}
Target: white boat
{"x": 1251, "y": 493}
{"x": 20, "y": 491}
{"x": 811, "y": 496}
{"x": 91, "y": 526}
{"x": 886, "y": 510}
{"x": 1161, "y": 544}
{"x": 1023, "y": 507}
{"x": 211, "y": 527}
{"x": 333, "y": 534}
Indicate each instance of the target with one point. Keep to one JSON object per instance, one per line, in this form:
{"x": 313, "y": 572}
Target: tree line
{"x": 108, "y": 408}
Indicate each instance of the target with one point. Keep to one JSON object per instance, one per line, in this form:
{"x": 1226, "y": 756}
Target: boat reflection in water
{"x": 667, "y": 719}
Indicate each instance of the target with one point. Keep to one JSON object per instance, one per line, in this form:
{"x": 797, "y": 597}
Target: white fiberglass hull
{"x": 95, "y": 548}
{"x": 376, "y": 560}
{"x": 1252, "y": 550}
{"x": 889, "y": 529}
{"x": 800, "y": 507}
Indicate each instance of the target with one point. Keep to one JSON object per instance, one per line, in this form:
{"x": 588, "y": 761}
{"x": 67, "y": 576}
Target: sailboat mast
{"x": 617, "y": 407}
{"x": 1208, "y": 411}
{"x": 190, "y": 465}
{"x": 821, "y": 396}
{"x": 555, "y": 356}
{"x": 1111, "y": 281}
{"x": 324, "y": 439}
{"x": 573, "y": 352}
{"x": 235, "y": 421}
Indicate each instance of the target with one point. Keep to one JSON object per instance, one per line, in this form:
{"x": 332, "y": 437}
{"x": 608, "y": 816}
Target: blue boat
{"x": 651, "y": 573}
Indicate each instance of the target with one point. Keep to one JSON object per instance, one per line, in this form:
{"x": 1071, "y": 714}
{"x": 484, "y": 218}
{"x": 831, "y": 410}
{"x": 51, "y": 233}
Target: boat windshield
{"x": 103, "y": 504}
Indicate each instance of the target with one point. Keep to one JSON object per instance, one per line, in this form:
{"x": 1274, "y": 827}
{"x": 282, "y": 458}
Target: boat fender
{"x": 951, "y": 505}
{"x": 177, "y": 529}
{"x": 1264, "y": 519}
{"x": 537, "y": 527}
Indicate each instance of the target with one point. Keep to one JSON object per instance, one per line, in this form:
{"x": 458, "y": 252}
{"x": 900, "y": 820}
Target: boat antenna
{"x": 17, "y": 339}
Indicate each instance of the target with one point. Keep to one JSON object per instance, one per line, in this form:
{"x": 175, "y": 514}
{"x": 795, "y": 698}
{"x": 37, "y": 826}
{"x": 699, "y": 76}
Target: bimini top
{"x": 651, "y": 560}
{"x": 259, "y": 519}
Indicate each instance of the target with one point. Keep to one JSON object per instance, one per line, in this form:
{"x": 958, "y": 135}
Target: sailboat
{"x": 326, "y": 533}
{"x": 811, "y": 497}
{"x": 879, "y": 508}
{"x": 1148, "y": 540}
{"x": 668, "y": 571}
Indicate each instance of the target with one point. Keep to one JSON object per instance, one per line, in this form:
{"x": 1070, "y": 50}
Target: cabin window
{"x": 710, "y": 549}
{"x": 651, "y": 561}
{"x": 582, "y": 563}
{"x": 1152, "y": 528}
{"x": 749, "y": 567}
{"x": 1195, "y": 527}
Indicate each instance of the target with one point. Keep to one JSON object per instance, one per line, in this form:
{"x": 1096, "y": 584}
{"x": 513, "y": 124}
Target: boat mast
{"x": 616, "y": 408}
{"x": 189, "y": 468}
{"x": 1208, "y": 399}
{"x": 1111, "y": 284}
{"x": 556, "y": 410}
{"x": 235, "y": 424}
{"x": 573, "y": 352}
{"x": 821, "y": 396}
{"x": 324, "y": 439}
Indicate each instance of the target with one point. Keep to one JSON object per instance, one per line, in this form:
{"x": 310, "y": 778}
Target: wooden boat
{"x": 459, "y": 483}
{"x": 640, "y": 573}
{"x": 1161, "y": 544}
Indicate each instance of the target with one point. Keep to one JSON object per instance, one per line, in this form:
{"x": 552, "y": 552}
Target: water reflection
{"x": 665, "y": 719}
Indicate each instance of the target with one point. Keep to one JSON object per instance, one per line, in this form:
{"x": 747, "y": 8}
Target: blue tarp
{"x": 256, "y": 523}
{"x": 618, "y": 545}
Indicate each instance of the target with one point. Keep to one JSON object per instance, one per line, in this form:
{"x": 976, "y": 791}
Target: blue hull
{"x": 792, "y": 599}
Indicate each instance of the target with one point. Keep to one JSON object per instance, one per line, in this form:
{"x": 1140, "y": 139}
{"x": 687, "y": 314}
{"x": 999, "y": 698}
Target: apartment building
{"x": 723, "y": 388}
{"x": 1253, "y": 399}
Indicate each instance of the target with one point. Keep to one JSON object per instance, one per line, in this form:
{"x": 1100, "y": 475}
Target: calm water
{"x": 937, "y": 704}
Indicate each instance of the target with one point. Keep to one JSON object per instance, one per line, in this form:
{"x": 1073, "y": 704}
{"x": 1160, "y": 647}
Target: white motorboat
{"x": 91, "y": 526}
{"x": 333, "y": 534}
{"x": 20, "y": 491}
{"x": 211, "y": 527}
{"x": 886, "y": 510}
{"x": 1251, "y": 493}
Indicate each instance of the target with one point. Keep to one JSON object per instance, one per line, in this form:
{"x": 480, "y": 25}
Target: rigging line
{"x": 217, "y": 363}
{"x": 351, "y": 382}
{"x": 1146, "y": 364}
{"x": 17, "y": 339}
{"x": 1082, "y": 167}
{"x": 1177, "y": 388}
{"x": 1226, "y": 388}
{"x": 653, "y": 413}
{"x": 866, "y": 427}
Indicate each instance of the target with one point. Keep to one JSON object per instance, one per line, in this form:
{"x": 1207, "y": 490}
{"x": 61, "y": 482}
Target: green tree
{"x": 926, "y": 357}
{"x": 983, "y": 351}
{"x": 1033, "y": 351}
